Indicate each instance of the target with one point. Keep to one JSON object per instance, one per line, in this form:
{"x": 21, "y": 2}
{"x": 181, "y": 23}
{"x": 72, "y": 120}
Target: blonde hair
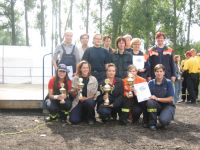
{"x": 135, "y": 40}
{"x": 128, "y": 36}
{"x": 131, "y": 67}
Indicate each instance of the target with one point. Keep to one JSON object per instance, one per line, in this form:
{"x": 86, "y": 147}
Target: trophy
{"x": 80, "y": 85}
{"x": 62, "y": 91}
{"x": 130, "y": 81}
{"x": 106, "y": 89}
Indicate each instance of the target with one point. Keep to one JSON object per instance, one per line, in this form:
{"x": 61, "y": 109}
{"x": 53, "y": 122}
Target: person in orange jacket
{"x": 130, "y": 102}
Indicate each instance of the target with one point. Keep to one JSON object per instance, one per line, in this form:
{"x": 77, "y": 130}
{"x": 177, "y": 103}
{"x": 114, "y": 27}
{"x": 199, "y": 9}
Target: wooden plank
{"x": 20, "y": 104}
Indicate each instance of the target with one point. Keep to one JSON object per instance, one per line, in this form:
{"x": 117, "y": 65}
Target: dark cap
{"x": 63, "y": 67}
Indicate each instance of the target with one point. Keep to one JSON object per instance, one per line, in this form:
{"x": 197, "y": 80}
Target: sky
{"x": 78, "y": 27}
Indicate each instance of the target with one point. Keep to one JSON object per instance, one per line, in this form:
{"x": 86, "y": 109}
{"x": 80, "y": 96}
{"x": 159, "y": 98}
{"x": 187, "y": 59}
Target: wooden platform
{"x": 21, "y": 96}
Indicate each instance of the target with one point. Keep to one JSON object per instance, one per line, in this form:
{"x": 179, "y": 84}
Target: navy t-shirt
{"x": 165, "y": 89}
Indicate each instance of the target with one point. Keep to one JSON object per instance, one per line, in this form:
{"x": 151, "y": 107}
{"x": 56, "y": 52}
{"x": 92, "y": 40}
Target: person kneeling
{"x": 130, "y": 102}
{"x": 161, "y": 102}
{"x": 59, "y": 100}
{"x": 109, "y": 102}
{"x": 86, "y": 87}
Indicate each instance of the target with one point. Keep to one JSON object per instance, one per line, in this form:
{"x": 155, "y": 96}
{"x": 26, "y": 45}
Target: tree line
{"x": 140, "y": 18}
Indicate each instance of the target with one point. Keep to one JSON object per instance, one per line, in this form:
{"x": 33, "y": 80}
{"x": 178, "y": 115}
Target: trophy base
{"x": 105, "y": 105}
{"x": 62, "y": 101}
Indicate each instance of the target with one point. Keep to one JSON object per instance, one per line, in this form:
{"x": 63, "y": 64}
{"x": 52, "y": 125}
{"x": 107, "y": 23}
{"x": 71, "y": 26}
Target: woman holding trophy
{"x": 130, "y": 101}
{"x": 85, "y": 87}
{"x": 58, "y": 102}
{"x": 110, "y": 100}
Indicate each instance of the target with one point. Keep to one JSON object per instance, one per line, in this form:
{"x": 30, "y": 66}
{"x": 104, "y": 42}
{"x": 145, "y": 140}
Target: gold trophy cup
{"x": 62, "y": 91}
{"x": 130, "y": 81}
{"x": 106, "y": 89}
{"x": 80, "y": 85}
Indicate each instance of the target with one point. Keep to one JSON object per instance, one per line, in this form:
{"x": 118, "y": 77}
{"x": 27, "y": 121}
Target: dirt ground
{"x": 28, "y": 131}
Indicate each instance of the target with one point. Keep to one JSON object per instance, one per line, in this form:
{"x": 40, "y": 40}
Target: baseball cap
{"x": 63, "y": 67}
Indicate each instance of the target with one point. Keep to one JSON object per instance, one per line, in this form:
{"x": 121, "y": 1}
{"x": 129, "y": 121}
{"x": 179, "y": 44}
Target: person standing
{"x": 98, "y": 57}
{"x": 84, "y": 39}
{"x": 184, "y": 93}
{"x": 135, "y": 45}
{"x": 161, "y": 54}
{"x": 107, "y": 43}
{"x": 128, "y": 39}
{"x": 66, "y": 53}
{"x": 121, "y": 58}
{"x": 178, "y": 81}
{"x": 192, "y": 65}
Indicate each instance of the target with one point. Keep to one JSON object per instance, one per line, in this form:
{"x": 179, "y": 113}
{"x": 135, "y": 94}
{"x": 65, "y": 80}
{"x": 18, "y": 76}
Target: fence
{"x": 22, "y": 64}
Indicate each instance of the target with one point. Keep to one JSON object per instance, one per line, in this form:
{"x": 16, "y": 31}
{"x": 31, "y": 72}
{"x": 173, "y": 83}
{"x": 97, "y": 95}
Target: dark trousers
{"x": 184, "y": 88}
{"x": 54, "y": 106}
{"x": 164, "y": 111}
{"x": 84, "y": 111}
{"x": 106, "y": 112}
{"x": 99, "y": 75}
{"x": 136, "y": 109}
{"x": 192, "y": 85}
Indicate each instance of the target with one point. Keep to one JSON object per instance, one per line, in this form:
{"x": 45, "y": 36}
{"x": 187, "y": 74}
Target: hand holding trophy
{"x": 106, "y": 89}
{"x": 130, "y": 81}
{"x": 62, "y": 91}
{"x": 80, "y": 87}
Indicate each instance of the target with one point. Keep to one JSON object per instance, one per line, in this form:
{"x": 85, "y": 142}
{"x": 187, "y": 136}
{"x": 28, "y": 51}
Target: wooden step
{"x": 20, "y": 104}
{"x": 21, "y": 96}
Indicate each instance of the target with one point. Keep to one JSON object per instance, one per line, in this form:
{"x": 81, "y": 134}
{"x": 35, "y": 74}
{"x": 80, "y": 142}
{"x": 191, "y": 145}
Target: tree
{"x": 41, "y": 23}
{"x": 87, "y": 16}
{"x": 100, "y": 18}
{"x": 12, "y": 19}
{"x": 117, "y": 7}
{"x": 28, "y": 5}
{"x": 9, "y": 27}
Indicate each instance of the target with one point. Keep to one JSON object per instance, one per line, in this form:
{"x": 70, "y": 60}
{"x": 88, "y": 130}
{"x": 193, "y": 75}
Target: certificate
{"x": 70, "y": 74}
{"x": 142, "y": 91}
{"x": 138, "y": 61}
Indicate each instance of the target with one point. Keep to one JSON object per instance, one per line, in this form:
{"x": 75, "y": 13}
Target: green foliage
{"x": 5, "y": 27}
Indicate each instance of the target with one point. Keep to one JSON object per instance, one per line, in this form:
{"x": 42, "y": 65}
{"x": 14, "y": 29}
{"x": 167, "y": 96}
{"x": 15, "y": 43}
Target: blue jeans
{"x": 178, "y": 86}
{"x": 165, "y": 112}
{"x": 84, "y": 111}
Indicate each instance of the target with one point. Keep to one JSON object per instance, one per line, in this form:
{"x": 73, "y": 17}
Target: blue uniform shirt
{"x": 165, "y": 89}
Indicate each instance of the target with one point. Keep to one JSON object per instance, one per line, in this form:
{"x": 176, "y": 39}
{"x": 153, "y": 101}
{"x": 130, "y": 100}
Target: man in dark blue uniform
{"x": 161, "y": 101}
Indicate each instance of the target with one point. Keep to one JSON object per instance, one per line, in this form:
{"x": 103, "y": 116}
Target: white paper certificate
{"x": 138, "y": 61}
{"x": 70, "y": 74}
{"x": 142, "y": 91}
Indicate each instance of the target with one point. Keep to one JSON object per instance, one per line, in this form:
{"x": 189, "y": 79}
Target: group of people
{"x": 100, "y": 81}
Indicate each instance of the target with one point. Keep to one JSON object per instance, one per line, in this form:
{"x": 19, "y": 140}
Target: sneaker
{"x": 49, "y": 119}
{"x": 153, "y": 128}
{"x": 180, "y": 101}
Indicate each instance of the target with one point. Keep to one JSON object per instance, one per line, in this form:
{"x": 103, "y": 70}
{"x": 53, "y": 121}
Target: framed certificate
{"x": 138, "y": 61}
{"x": 142, "y": 91}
